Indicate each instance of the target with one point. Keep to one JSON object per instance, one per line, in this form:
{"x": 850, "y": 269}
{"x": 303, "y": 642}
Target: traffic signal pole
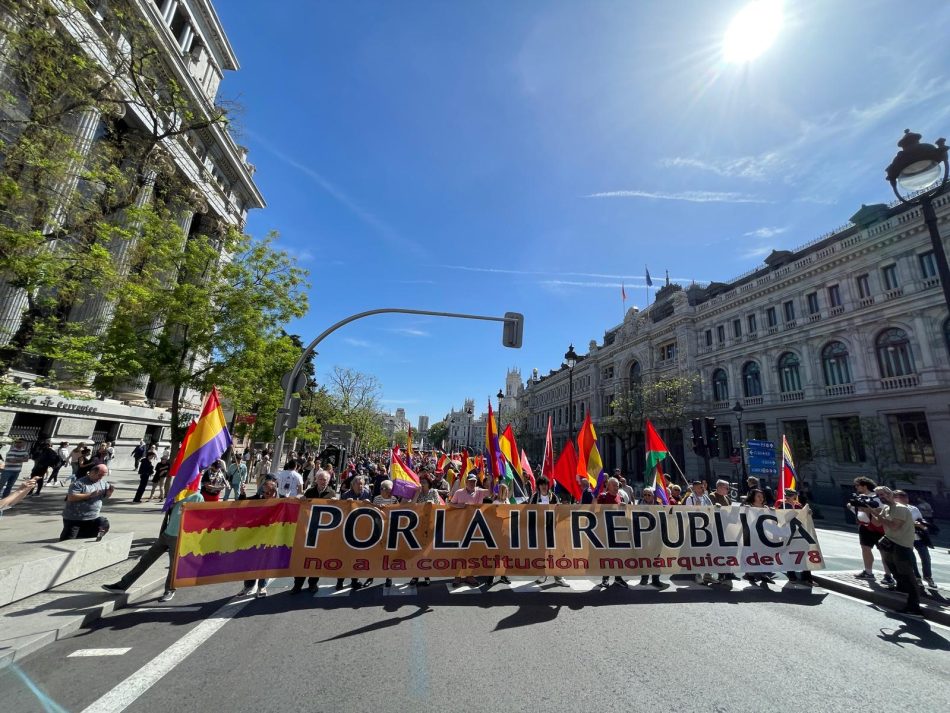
{"x": 511, "y": 337}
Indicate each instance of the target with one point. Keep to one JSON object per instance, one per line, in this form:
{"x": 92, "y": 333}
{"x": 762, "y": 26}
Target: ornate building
{"x": 843, "y": 345}
{"x": 195, "y": 50}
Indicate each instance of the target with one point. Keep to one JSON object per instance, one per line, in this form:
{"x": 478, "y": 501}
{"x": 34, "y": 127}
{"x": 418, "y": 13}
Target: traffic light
{"x": 712, "y": 438}
{"x": 698, "y": 445}
{"x": 287, "y": 418}
{"x": 513, "y": 330}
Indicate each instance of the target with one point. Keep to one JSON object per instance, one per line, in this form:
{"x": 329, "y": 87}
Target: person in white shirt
{"x": 289, "y": 481}
{"x": 922, "y": 541}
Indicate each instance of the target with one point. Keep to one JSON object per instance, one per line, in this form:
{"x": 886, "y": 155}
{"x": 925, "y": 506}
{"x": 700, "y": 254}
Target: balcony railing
{"x": 892, "y": 383}
{"x": 814, "y": 317}
{"x": 836, "y": 310}
{"x": 840, "y": 390}
{"x": 772, "y": 330}
{"x": 894, "y": 294}
{"x": 930, "y": 282}
{"x": 751, "y": 335}
{"x": 752, "y": 401}
{"x": 720, "y": 405}
{"x": 866, "y": 301}
{"x": 793, "y": 396}
{"x": 790, "y": 323}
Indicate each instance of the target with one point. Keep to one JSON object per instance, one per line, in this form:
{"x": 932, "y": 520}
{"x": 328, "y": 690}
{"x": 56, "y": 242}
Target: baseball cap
{"x": 471, "y": 476}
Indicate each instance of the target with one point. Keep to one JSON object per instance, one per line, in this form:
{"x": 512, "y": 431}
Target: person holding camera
{"x": 81, "y": 516}
{"x": 897, "y": 545}
{"x": 869, "y": 534}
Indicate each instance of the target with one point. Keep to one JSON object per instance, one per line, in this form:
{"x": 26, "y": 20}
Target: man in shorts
{"x": 869, "y": 533}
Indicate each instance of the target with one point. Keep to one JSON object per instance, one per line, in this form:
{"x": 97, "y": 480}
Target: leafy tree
{"x": 437, "y": 433}
{"x": 401, "y": 438}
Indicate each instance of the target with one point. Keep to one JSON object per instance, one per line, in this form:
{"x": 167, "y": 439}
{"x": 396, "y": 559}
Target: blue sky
{"x": 531, "y": 156}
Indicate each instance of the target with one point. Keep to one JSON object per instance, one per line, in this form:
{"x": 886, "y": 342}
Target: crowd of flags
{"x": 207, "y": 439}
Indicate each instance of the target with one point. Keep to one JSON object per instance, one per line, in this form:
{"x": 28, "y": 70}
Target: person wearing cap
{"x": 698, "y": 495}
{"x": 648, "y": 497}
{"x": 471, "y": 494}
{"x": 213, "y": 481}
{"x": 439, "y": 483}
{"x": 16, "y": 456}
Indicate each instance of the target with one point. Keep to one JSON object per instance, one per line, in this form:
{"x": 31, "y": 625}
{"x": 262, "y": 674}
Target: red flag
{"x": 173, "y": 471}
{"x": 565, "y": 471}
{"x": 547, "y": 465}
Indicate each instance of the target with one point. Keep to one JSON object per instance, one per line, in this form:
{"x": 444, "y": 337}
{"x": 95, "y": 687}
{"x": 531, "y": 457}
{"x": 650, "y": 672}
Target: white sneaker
{"x": 167, "y": 596}
{"x": 540, "y": 580}
{"x": 247, "y": 590}
{"x": 559, "y": 581}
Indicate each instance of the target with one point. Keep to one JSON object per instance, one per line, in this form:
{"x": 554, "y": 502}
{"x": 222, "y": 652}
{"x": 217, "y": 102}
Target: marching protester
{"x": 289, "y": 481}
{"x": 267, "y": 491}
{"x": 611, "y": 496}
{"x": 720, "y": 495}
{"x": 789, "y": 501}
{"x": 167, "y": 542}
{"x": 471, "y": 494}
{"x": 755, "y": 498}
{"x": 545, "y": 496}
{"x": 426, "y": 494}
{"x": 321, "y": 488}
{"x": 236, "y": 476}
{"x": 355, "y": 491}
{"x": 676, "y": 494}
{"x": 384, "y": 499}
{"x": 698, "y": 495}
{"x": 213, "y": 481}
{"x": 647, "y": 497}
{"x": 502, "y": 498}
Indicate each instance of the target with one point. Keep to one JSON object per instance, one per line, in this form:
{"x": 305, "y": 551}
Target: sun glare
{"x": 752, "y": 31}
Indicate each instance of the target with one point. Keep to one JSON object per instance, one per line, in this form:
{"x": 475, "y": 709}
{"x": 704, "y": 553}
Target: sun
{"x": 752, "y": 31}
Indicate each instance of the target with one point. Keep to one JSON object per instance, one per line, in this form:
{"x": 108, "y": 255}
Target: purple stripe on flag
{"x": 196, "y": 462}
{"x": 250, "y": 560}
{"x": 404, "y": 489}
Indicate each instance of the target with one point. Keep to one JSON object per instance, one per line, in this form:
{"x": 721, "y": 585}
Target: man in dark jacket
{"x": 44, "y": 458}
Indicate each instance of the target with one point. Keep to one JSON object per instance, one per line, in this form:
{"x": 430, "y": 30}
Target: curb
{"x": 883, "y": 597}
{"x": 27, "y": 645}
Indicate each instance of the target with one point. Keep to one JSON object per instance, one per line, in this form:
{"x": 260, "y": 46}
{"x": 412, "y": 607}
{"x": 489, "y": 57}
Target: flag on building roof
{"x": 649, "y": 281}
{"x": 787, "y": 476}
{"x": 623, "y": 292}
{"x": 589, "y": 463}
{"x": 405, "y": 481}
{"x": 201, "y": 447}
{"x": 656, "y": 453}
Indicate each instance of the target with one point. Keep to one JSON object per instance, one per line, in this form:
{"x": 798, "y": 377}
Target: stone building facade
{"x": 191, "y": 40}
{"x": 843, "y": 345}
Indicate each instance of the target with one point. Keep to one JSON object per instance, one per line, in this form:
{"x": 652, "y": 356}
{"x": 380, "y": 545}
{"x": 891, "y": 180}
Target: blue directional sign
{"x": 761, "y": 457}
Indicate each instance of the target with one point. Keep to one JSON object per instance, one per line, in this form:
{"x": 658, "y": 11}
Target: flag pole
{"x": 682, "y": 475}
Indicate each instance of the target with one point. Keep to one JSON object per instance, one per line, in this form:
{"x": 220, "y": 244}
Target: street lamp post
{"x": 917, "y": 169}
{"x": 737, "y": 410}
{"x": 500, "y": 396}
{"x": 570, "y": 358}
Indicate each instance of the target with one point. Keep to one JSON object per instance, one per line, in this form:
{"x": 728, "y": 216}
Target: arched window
{"x": 751, "y": 380}
{"x": 720, "y": 384}
{"x": 635, "y": 377}
{"x": 893, "y": 353}
{"x": 788, "y": 377}
{"x": 835, "y": 365}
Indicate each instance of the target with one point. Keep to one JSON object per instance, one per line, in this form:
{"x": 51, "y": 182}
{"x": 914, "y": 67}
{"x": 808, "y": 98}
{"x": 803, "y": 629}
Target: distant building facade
{"x": 843, "y": 345}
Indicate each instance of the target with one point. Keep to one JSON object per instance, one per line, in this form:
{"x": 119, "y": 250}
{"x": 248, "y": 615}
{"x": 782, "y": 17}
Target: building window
{"x": 812, "y": 299}
{"x": 635, "y": 377}
{"x": 751, "y": 380}
{"x": 750, "y": 320}
{"x": 770, "y": 317}
{"x": 725, "y": 440}
{"x": 864, "y": 286}
{"x": 847, "y": 440}
{"x": 889, "y": 273}
{"x": 720, "y": 383}
{"x": 834, "y": 364}
{"x": 928, "y": 266}
{"x": 668, "y": 351}
{"x": 708, "y": 337}
{"x": 788, "y": 376}
{"x": 721, "y": 334}
{"x": 789, "y": 309}
{"x": 756, "y": 432}
{"x": 609, "y": 373}
{"x": 737, "y": 328}
{"x": 911, "y": 436}
{"x": 893, "y": 353}
{"x": 834, "y": 296}
{"x": 798, "y": 440}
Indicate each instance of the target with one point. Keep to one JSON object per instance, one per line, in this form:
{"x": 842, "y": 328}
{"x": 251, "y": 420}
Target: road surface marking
{"x": 129, "y": 690}
{"x": 879, "y": 607}
{"x": 100, "y": 652}
{"x": 172, "y": 609}
{"x": 400, "y": 590}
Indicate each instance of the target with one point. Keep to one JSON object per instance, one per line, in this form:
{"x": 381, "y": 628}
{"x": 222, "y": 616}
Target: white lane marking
{"x": 100, "y": 652}
{"x": 400, "y": 590}
{"x": 172, "y": 609}
{"x": 129, "y": 690}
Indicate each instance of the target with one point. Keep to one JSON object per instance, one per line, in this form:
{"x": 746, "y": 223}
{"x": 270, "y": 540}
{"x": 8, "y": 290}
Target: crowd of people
{"x": 886, "y": 519}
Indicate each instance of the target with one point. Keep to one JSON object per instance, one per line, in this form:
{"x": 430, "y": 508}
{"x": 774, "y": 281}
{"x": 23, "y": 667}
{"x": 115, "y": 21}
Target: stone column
{"x": 134, "y": 389}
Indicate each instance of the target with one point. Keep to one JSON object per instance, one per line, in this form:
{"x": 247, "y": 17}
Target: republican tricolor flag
{"x": 405, "y": 481}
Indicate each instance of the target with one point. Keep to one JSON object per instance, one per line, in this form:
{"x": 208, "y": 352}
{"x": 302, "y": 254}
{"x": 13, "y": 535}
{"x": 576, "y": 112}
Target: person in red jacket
{"x": 611, "y": 496}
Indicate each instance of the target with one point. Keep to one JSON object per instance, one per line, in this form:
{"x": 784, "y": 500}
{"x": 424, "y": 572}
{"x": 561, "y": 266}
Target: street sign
{"x": 248, "y": 418}
{"x": 761, "y": 455}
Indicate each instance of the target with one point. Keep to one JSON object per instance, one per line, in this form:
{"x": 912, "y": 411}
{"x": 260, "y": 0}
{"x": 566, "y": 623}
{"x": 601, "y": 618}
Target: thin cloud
{"x": 765, "y": 232}
{"x": 409, "y": 331}
{"x": 361, "y": 343}
{"x": 688, "y": 196}
{"x": 385, "y": 231}
{"x": 502, "y": 271}
{"x": 756, "y": 168}
{"x": 755, "y": 253}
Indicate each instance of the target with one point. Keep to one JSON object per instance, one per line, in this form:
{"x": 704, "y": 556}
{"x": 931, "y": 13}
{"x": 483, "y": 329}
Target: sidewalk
{"x": 933, "y": 601}
{"x": 33, "y": 622}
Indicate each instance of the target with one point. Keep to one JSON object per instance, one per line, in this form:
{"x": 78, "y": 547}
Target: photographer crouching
{"x": 897, "y": 546}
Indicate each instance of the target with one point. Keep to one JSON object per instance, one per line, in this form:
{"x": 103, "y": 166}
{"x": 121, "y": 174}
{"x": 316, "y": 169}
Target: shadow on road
{"x": 380, "y": 624}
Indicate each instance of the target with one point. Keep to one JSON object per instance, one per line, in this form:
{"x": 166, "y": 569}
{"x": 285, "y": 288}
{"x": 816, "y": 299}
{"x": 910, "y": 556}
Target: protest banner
{"x": 223, "y": 542}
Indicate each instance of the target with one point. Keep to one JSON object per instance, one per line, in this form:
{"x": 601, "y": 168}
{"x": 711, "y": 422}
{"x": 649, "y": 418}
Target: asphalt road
{"x": 688, "y": 648}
